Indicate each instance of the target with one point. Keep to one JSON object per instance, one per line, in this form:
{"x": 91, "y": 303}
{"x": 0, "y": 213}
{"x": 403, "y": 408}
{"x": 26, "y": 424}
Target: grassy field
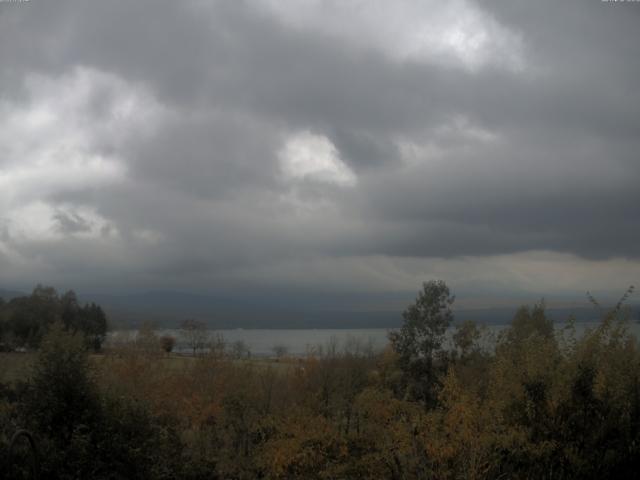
{"x": 15, "y": 366}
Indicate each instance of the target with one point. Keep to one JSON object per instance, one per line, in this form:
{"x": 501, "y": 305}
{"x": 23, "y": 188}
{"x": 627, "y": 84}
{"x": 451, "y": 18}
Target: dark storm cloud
{"x": 449, "y": 160}
{"x": 71, "y": 223}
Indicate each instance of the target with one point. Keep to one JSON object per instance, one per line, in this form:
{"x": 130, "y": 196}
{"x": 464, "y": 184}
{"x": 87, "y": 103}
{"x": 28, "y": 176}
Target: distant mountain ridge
{"x": 9, "y": 294}
{"x": 168, "y": 308}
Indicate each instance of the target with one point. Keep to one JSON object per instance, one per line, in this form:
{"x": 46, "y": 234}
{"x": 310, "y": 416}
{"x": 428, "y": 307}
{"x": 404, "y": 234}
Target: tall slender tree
{"x": 419, "y": 342}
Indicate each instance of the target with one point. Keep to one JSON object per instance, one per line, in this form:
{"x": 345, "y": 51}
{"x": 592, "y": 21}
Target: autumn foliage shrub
{"x": 539, "y": 402}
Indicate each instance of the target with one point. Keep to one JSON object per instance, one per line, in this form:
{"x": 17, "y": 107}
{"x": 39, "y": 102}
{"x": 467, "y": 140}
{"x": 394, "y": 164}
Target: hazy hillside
{"x": 9, "y": 294}
{"x": 168, "y": 308}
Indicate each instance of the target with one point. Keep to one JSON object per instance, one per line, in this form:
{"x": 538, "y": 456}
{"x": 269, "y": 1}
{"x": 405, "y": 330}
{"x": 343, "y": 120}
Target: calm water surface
{"x": 261, "y": 342}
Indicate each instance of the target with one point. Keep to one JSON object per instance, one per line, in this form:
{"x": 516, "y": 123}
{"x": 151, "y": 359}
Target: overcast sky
{"x": 338, "y": 147}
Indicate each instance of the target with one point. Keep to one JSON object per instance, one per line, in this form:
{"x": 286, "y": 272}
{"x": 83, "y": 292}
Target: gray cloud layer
{"x": 167, "y": 143}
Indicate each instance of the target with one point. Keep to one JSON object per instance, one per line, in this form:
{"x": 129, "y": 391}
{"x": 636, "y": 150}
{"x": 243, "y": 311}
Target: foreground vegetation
{"x": 540, "y": 404}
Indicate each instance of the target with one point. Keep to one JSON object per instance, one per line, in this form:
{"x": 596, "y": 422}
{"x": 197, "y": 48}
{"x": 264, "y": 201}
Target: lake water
{"x": 261, "y": 342}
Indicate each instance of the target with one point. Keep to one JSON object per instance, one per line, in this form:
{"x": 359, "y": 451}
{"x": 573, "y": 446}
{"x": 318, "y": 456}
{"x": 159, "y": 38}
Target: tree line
{"x": 533, "y": 402}
{"x": 25, "y": 320}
